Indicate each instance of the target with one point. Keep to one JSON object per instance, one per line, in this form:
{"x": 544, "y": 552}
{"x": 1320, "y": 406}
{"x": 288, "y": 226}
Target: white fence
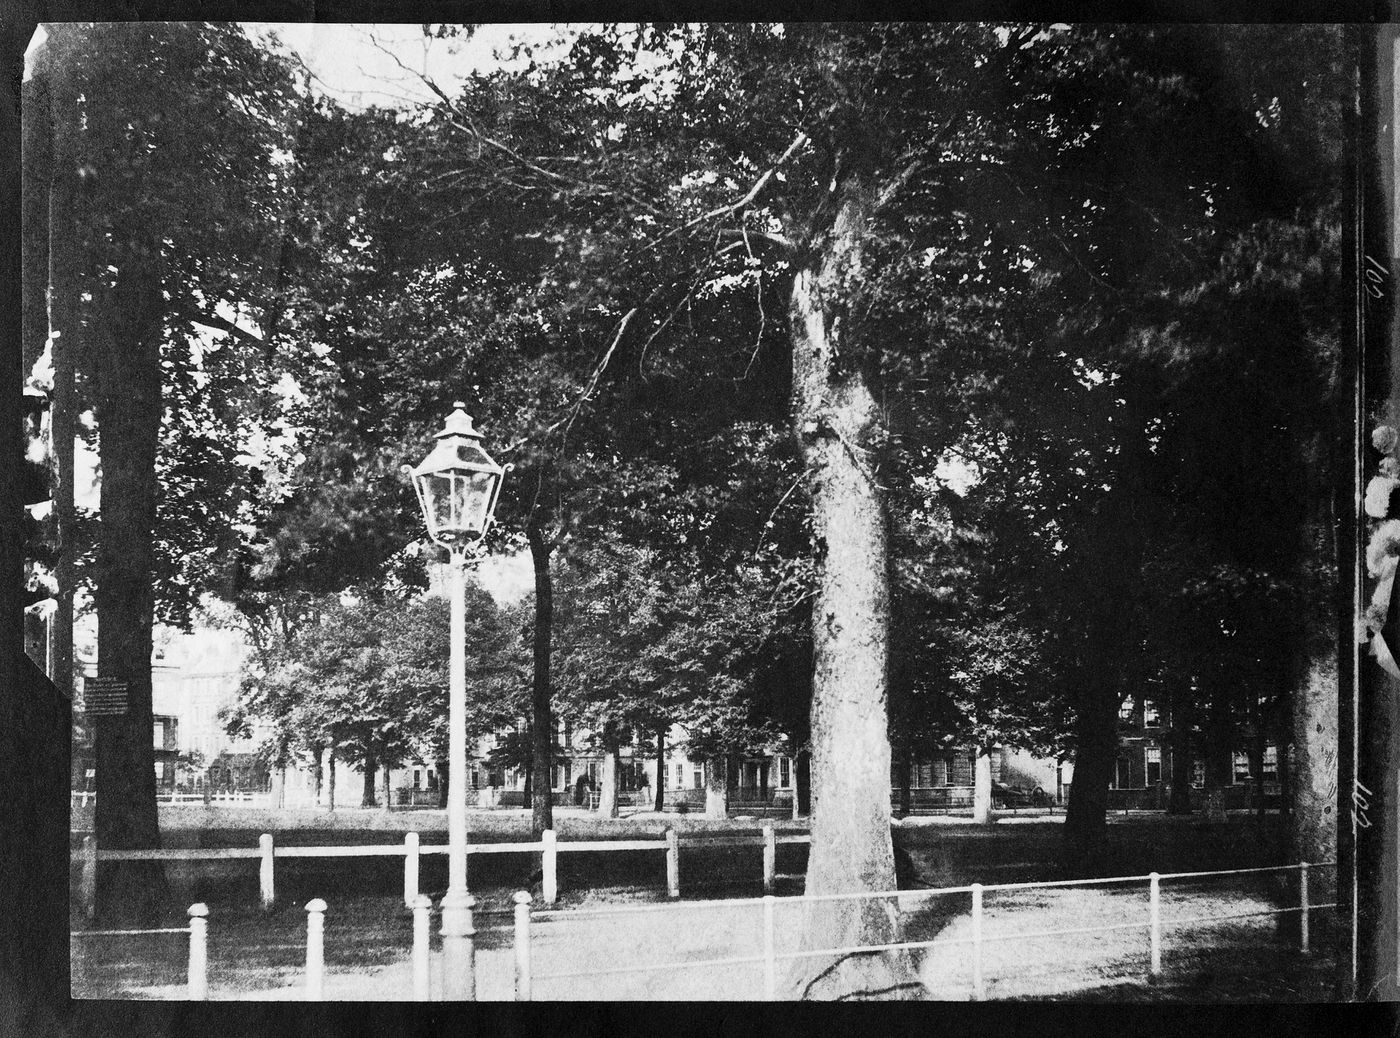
{"x": 82, "y": 798}
{"x": 524, "y": 921}
{"x": 197, "y": 982}
{"x": 548, "y": 847}
{"x": 768, "y": 961}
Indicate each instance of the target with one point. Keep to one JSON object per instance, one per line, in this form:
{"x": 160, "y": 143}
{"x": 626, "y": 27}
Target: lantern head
{"x": 457, "y": 483}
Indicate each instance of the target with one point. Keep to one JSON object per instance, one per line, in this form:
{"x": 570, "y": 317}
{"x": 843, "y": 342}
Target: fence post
{"x": 410, "y": 870}
{"x": 199, "y": 952}
{"x": 1155, "y": 922}
{"x": 522, "y": 946}
{"x": 89, "y": 878}
{"x": 265, "y": 872}
{"x": 1303, "y": 902}
{"x": 977, "y": 989}
{"x": 315, "y": 949}
{"x": 770, "y": 959}
{"x": 549, "y": 866}
{"x": 673, "y": 863}
{"x": 422, "y": 909}
{"x": 770, "y": 857}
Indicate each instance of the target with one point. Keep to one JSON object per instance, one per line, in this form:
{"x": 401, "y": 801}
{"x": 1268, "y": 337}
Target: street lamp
{"x": 457, "y": 486}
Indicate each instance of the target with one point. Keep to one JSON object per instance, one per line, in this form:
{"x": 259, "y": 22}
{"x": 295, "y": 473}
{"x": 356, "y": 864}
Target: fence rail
{"x": 524, "y": 919}
{"x": 770, "y": 957}
{"x": 197, "y": 975}
{"x": 548, "y": 847}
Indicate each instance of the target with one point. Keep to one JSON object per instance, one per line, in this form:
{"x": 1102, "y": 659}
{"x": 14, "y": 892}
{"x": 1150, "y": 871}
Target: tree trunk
{"x": 607, "y": 785}
{"x": 1256, "y": 767}
{"x": 982, "y": 787}
{"x": 443, "y": 777}
{"x": 1219, "y": 749}
{"x": 330, "y": 792}
{"x": 660, "y": 804}
{"x": 542, "y": 801}
{"x": 367, "y": 789}
{"x": 279, "y": 787}
{"x": 388, "y": 793}
{"x": 836, "y": 420}
{"x": 65, "y": 326}
{"x": 1179, "y": 800}
{"x": 802, "y": 784}
{"x": 319, "y": 772}
{"x": 906, "y": 798}
{"x": 1313, "y": 776}
{"x": 129, "y": 414}
{"x": 717, "y": 787}
{"x": 1096, "y": 733}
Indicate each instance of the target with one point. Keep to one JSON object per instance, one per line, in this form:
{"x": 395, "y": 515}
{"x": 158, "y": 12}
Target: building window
{"x": 476, "y": 777}
{"x": 1270, "y": 763}
{"x": 1242, "y": 767}
{"x": 417, "y": 778}
{"x": 158, "y": 735}
{"x": 1123, "y": 773}
{"x": 680, "y": 776}
{"x": 1151, "y": 715}
{"x": 697, "y": 776}
{"x": 1125, "y": 709}
{"x": 432, "y": 779}
{"x": 784, "y": 772}
{"x": 1154, "y": 765}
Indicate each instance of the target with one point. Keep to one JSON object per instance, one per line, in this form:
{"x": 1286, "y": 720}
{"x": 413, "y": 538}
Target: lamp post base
{"x": 458, "y": 947}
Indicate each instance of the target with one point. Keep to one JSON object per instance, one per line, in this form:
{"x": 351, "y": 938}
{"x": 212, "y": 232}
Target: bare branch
{"x": 219, "y": 323}
{"x": 568, "y": 420}
{"x": 742, "y": 201}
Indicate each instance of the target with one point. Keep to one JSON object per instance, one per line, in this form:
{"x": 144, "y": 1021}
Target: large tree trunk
{"x": 319, "y": 774}
{"x": 65, "y": 327}
{"x": 836, "y": 419}
{"x": 542, "y": 719}
{"x": 1096, "y": 733}
{"x": 607, "y": 785}
{"x": 660, "y": 804}
{"x": 129, "y": 414}
{"x": 717, "y": 787}
{"x": 1313, "y": 775}
{"x": 982, "y": 787}
{"x": 330, "y": 785}
{"x": 444, "y": 775}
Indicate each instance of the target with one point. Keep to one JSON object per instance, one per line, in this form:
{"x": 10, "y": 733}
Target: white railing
{"x": 524, "y": 919}
{"x": 82, "y": 798}
{"x": 977, "y": 938}
{"x": 197, "y": 975}
{"x": 548, "y": 847}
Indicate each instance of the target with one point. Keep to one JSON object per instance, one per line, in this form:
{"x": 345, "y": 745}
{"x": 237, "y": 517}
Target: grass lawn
{"x": 368, "y": 932}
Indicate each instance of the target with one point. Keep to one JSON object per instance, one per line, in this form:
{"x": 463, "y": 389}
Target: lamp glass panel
{"x": 472, "y": 496}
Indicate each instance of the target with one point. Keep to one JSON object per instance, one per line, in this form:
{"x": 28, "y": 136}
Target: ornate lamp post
{"x": 457, "y": 486}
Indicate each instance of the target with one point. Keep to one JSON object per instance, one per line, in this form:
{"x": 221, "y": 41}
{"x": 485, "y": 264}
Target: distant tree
{"x": 368, "y": 679}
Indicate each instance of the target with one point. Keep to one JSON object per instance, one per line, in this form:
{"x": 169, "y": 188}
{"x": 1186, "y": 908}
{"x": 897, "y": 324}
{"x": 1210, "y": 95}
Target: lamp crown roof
{"x": 459, "y": 423}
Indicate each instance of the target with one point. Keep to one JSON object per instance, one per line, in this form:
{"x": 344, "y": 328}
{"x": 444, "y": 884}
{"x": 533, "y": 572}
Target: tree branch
{"x": 739, "y": 203}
